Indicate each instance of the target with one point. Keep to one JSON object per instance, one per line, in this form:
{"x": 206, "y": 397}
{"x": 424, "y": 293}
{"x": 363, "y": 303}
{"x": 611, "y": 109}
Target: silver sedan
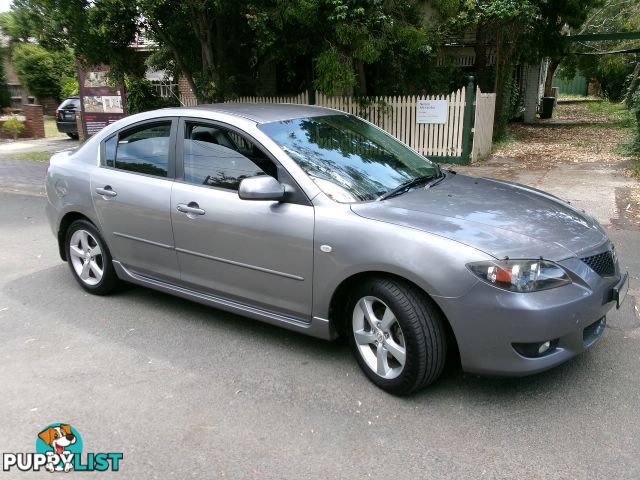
{"x": 319, "y": 222}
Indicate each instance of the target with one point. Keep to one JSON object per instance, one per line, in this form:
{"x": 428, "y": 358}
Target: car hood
{"x": 500, "y": 218}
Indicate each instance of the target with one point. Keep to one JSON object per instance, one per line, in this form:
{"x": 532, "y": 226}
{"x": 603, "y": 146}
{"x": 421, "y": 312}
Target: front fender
{"x": 358, "y": 245}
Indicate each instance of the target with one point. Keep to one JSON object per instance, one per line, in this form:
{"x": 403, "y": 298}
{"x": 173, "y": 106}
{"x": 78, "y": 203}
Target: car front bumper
{"x": 488, "y": 321}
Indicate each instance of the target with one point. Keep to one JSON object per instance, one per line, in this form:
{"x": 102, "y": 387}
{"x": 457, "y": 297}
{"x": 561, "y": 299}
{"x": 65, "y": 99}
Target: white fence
{"x": 397, "y": 115}
{"x": 301, "y": 98}
{"x": 483, "y": 125}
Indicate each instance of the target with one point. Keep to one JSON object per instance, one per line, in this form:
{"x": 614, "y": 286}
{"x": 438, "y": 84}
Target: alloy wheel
{"x": 86, "y": 257}
{"x": 379, "y": 337}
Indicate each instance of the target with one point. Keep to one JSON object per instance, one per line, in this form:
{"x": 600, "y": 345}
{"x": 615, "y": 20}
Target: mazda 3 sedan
{"x": 322, "y": 223}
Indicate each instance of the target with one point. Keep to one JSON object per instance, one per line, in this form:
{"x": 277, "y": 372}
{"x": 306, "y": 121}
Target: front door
{"x": 132, "y": 194}
{"x": 255, "y": 252}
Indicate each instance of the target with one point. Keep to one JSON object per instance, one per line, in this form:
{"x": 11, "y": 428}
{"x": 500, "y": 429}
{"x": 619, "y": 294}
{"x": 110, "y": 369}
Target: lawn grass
{"x": 622, "y": 118}
{"x": 50, "y": 128}
{"x": 32, "y": 156}
{"x": 617, "y": 114}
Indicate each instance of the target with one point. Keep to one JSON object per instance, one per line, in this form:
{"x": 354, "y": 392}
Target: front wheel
{"x": 89, "y": 258}
{"x": 396, "y": 335}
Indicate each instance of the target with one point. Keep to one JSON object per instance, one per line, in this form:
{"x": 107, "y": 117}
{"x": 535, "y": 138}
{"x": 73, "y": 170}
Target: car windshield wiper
{"x": 409, "y": 184}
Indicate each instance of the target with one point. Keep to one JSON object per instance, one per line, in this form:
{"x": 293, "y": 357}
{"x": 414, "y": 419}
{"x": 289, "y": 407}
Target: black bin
{"x": 547, "y": 107}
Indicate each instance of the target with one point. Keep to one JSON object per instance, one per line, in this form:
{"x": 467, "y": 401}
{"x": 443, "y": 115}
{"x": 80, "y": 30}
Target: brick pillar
{"x": 187, "y": 97}
{"x": 35, "y": 121}
{"x": 80, "y": 126}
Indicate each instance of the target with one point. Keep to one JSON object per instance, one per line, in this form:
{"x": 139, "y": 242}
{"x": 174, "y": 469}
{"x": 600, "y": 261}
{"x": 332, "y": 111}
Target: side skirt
{"x": 318, "y": 327}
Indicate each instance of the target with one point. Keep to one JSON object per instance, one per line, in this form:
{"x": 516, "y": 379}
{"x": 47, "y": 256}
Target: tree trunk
{"x": 361, "y": 87}
{"x": 548, "y": 81}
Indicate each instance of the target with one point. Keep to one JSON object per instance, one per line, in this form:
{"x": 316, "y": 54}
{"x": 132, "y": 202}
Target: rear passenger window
{"x": 143, "y": 149}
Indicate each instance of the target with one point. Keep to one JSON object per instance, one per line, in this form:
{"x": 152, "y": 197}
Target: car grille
{"x": 601, "y": 263}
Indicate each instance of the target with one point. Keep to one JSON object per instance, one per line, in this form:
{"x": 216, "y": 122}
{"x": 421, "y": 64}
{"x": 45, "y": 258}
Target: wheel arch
{"x": 338, "y": 314}
{"x": 65, "y": 222}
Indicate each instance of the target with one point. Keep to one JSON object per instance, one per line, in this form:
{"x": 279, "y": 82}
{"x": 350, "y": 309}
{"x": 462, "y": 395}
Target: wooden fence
{"x": 483, "y": 125}
{"x": 448, "y": 142}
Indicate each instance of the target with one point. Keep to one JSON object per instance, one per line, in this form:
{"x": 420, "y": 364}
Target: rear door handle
{"x": 106, "y": 191}
{"x": 192, "y": 208}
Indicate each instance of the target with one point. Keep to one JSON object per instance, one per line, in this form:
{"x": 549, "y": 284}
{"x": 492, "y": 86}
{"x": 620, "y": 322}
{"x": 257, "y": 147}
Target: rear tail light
{"x": 57, "y": 113}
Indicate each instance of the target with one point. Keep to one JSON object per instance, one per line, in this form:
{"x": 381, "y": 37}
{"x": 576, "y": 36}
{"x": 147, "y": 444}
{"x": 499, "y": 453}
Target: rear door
{"x": 256, "y": 252}
{"x": 132, "y": 195}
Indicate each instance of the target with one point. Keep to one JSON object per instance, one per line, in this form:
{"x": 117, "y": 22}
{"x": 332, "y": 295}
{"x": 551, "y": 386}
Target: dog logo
{"x": 60, "y": 442}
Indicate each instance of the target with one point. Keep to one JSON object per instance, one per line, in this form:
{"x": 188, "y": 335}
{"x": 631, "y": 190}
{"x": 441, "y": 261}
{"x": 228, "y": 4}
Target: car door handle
{"x": 192, "y": 208}
{"x": 106, "y": 191}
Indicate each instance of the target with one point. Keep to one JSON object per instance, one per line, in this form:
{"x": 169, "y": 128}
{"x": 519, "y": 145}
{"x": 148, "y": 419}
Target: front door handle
{"x": 106, "y": 191}
{"x": 192, "y": 208}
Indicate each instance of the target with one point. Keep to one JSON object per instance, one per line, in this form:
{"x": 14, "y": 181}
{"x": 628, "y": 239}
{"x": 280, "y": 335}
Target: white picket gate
{"x": 483, "y": 125}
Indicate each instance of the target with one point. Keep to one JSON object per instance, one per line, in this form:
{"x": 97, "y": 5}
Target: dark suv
{"x": 66, "y": 116}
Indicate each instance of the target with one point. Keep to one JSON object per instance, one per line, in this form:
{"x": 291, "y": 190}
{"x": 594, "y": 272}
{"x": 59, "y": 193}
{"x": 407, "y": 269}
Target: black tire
{"x": 422, "y": 331}
{"x": 73, "y": 135}
{"x": 109, "y": 281}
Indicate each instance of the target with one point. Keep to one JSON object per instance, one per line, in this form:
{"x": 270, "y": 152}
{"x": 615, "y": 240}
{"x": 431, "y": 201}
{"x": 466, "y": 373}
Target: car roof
{"x": 267, "y": 112}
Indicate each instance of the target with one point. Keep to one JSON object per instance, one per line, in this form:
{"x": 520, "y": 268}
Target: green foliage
{"x": 635, "y": 110}
{"x": 611, "y": 71}
{"x": 334, "y": 73}
{"x": 352, "y": 44}
{"x": 41, "y": 70}
{"x": 142, "y": 96}
{"x": 68, "y": 87}
{"x": 13, "y": 127}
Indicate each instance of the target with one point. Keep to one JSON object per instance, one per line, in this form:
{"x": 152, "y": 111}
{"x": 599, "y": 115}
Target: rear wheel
{"x": 73, "y": 135}
{"x": 89, "y": 258}
{"x": 396, "y": 335}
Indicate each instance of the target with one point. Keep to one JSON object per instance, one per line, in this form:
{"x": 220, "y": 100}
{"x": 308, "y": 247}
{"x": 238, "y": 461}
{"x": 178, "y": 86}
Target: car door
{"x": 256, "y": 252}
{"x": 132, "y": 195}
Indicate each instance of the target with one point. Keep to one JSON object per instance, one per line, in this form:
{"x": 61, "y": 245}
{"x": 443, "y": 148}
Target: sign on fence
{"x": 432, "y": 111}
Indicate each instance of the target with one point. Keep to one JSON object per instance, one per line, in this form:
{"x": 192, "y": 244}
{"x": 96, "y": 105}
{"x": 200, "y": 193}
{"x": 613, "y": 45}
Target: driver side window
{"x": 218, "y": 157}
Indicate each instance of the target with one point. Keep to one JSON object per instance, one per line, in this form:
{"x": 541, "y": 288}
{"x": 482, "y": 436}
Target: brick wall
{"x": 35, "y": 120}
{"x": 49, "y": 106}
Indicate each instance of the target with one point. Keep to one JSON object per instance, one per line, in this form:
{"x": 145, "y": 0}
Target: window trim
{"x": 297, "y": 196}
{"x": 171, "y": 165}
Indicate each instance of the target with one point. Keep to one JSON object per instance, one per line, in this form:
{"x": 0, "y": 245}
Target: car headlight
{"x": 521, "y": 275}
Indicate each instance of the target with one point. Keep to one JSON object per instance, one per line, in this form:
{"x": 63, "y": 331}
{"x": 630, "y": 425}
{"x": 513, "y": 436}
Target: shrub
{"x": 142, "y": 96}
{"x": 635, "y": 110}
{"x": 13, "y": 127}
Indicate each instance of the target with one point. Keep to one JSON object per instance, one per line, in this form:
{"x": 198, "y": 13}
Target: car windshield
{"x": 349, "y": 159}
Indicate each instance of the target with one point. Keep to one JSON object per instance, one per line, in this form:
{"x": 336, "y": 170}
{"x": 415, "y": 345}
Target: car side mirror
{"x": 261, "y": 187}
